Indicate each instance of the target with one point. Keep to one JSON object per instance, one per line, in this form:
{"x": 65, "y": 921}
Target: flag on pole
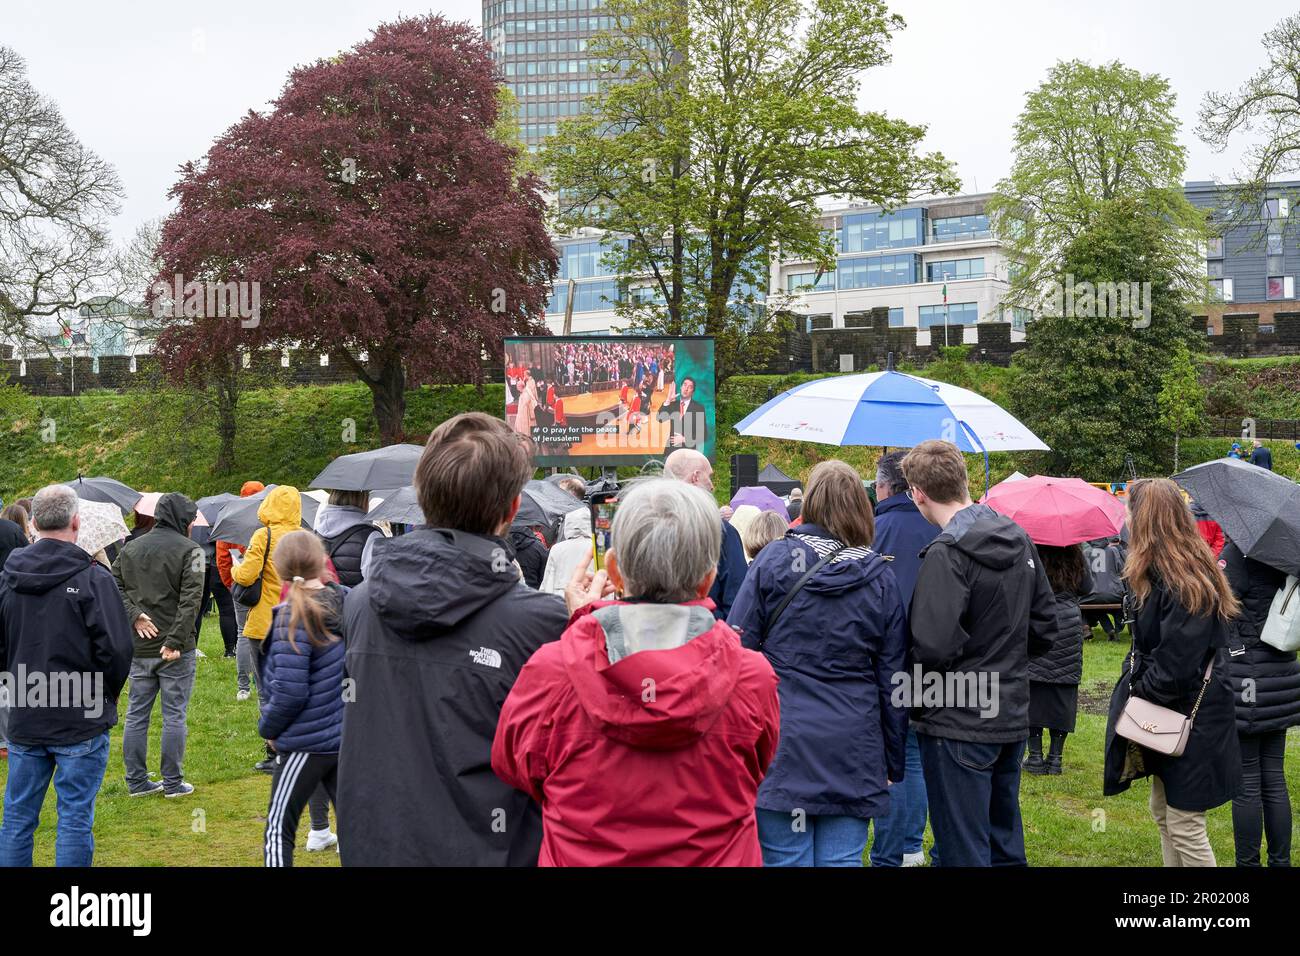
{"x": 945, "y": 292}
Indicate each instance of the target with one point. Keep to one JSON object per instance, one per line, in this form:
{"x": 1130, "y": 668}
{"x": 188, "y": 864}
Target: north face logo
{"x": 486, "y": 656}
{"x": 1031, "y": 562}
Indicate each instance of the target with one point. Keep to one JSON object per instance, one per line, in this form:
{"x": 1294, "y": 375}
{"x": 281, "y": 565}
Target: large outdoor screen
{"x": 611, "y": 400}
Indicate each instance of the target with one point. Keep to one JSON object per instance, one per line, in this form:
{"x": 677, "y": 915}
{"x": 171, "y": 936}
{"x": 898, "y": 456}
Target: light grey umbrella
{"x": 400, "y": 507}
{"x": 1257, "y": 508}
{"x": 238, "y": 520}
{"x": 105, "y": 489}
{"x": 392, "y": 466}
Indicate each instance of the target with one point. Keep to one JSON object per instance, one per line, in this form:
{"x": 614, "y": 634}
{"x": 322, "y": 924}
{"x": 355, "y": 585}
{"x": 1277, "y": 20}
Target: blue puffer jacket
{"x": 305, "y": 709}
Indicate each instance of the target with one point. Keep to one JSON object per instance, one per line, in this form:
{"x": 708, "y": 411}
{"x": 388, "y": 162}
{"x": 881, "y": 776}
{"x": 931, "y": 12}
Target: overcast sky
{"x": 148, "y": 84}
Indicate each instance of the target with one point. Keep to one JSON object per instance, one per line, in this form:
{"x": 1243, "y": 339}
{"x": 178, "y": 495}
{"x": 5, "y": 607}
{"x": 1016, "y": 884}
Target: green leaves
{"x": 732, "y": 119}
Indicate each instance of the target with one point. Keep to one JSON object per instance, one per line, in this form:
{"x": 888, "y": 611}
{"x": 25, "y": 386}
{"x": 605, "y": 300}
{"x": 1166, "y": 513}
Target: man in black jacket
{"x": 436, "y": 635}
{"x": 66, "y": 648}
{"x": 688, "y": 424}
{"x": 981, "y": 606}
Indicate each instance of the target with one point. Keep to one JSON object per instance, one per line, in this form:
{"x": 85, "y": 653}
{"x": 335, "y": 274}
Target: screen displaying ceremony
{"x": 610, "y": 400}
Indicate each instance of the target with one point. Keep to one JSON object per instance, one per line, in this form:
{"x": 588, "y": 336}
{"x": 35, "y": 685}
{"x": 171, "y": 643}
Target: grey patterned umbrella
{"x": 237, "y": 521}
{"x": 399, "y": 507}
{"x": 1257, "y": 508}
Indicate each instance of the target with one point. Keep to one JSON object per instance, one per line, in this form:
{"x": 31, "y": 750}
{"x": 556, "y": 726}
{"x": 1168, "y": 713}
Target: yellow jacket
{"x": 281, "y": 511}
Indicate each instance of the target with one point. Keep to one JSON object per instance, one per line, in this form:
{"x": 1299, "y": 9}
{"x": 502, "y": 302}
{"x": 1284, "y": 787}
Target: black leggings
{"x": 1262, "y": 807}
{"x": 297, "y": 776}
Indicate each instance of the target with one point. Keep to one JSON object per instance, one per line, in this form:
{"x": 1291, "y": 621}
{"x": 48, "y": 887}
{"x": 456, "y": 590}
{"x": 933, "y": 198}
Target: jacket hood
{"x": 425, "y": 583}
{"x": 985, "y": 536}
{"x": 282, "y": 506}
{"x": 175, "y": 512}
{"x": 839, "y": 575}
{"x": 43, "y": 565}
{"x": 652, "y": 699}
{"x": 577, "y": 524}
{"x": 331, "y": 519}
{"x": 251, "y": 488}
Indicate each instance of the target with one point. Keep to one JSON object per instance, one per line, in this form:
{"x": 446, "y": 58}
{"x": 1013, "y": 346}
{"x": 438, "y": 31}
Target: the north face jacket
{"x": 981, "y": 606}
{"x": 1265, "y": 679}
{"x": 436, "y": 635}
{"x": 643, "y": 733}
{"x": 61, "y": 614}
{"x": 162, "y": 574}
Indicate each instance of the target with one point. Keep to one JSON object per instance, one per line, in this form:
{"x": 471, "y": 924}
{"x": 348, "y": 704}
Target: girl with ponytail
{"x": 302, "y": 670}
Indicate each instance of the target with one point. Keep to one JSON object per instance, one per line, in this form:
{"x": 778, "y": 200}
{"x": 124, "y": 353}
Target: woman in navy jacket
{"x": 836, "y": 648}
{"x": 302, "y": 670}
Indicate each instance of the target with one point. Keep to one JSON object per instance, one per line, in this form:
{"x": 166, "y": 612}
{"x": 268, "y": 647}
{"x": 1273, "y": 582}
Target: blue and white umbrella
{"x": 890, "y": 409}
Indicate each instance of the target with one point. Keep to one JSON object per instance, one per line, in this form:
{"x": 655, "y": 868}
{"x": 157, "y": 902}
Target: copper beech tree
{"x": 375, "y": 214}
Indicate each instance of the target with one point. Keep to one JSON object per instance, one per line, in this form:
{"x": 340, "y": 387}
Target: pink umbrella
{"x": 1057, "y": 511}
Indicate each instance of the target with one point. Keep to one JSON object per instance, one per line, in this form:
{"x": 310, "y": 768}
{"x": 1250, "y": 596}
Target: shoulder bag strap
{"x": 798, "y": 586}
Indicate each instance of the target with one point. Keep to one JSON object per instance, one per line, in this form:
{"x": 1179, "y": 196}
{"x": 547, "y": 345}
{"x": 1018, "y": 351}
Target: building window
{"x": 878, "y": 271}
{"x": 1276, "y": 208}
{"x": 1276, "y": 265}
{"x": 956, "y": 228}
{"x": 1267, "y": 328}
{"x": 958, "y": 313}
{"x": 895, "y": 318}
{"x": 864, "y": 232}
{"x": 954, "y": 269}
{"x": 1281, "y": 287}
{"x": 1222, "y": 288}
{"x": 1214, "y": 248}
{"x": 1274, "y": 244}
{"x": 1214, "y": 268}
{"x": 811, "y": 282}
{"x": 588, "y": 297}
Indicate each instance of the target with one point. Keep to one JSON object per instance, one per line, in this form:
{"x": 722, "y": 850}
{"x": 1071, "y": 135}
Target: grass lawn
{"x": 1067, "y": 822}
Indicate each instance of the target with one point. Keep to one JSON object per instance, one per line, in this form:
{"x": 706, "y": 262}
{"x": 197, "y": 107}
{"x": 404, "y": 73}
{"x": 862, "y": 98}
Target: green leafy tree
{"x": 1089, "y": 384}
{"x": 1181, "y": 399}
{"x": 1088, "y": 136}
{"x": 708, "y": 152}
{"x": 1265, "y": 107}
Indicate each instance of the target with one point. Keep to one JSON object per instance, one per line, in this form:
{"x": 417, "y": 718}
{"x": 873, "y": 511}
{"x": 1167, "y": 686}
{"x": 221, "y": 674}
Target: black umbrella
{"x": 108, "y": 490}
{"x": 400, "y": 507}
{"x": 392, "y": 466}
{"x": 544, "y": 505}
{"x": 238, "y": 520}
{"x": 1257, "y": 508}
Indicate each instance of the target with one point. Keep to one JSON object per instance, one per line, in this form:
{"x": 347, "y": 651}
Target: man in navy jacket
{"x": 902, "y": 533}
{"x": 690, "y": 466}
{"x": 61, "y": 619}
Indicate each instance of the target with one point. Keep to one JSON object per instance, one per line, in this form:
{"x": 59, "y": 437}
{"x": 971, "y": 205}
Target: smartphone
{"x": 602, "y": 522}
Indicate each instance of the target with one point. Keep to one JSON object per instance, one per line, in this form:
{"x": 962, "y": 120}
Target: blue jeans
{"x": 793, "y": 839}
{"x": 78, "y": 772}
{"x": 974, "y": 792}
{"x": 904, "y": 828}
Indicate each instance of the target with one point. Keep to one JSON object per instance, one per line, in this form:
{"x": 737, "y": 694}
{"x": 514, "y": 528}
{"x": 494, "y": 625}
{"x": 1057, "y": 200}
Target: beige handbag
{"x": 1158, "y": 728}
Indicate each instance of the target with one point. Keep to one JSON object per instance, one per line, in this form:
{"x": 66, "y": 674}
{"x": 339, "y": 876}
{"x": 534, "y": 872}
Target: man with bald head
{"x": 688, "y": 465}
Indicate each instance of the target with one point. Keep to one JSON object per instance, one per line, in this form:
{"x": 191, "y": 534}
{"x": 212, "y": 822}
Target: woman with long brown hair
{"x": 301, "y": 674}
{"x": 1178, "y": 605}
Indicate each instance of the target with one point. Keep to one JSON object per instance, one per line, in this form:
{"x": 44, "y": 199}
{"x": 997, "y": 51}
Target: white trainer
{"x": 914, "y": 859}
{"x": 321, "y": 840}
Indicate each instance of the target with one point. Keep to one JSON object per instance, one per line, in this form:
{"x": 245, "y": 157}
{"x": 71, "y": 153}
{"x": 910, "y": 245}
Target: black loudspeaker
{"x": 744, "y": 472}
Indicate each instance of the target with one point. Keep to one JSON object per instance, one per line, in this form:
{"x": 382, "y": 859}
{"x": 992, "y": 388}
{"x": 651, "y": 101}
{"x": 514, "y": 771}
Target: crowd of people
{"x": 762, "y": 687}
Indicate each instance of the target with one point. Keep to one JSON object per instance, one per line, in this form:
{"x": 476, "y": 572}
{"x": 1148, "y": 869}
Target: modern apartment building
{"x": 903, "y": 260}
{"x": 1254, "y": 263}
{"x": 540, "y": 47}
